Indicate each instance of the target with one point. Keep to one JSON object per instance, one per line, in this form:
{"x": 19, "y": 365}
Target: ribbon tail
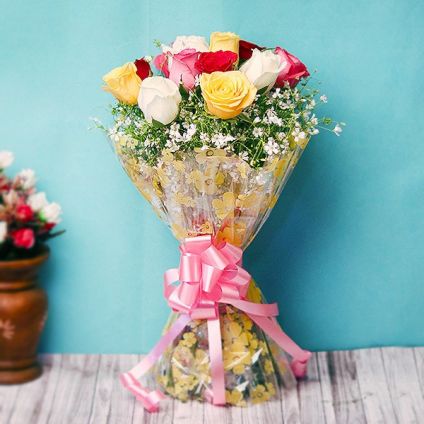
{"x": 300, "y": 357}
{"x": 150, "y": 399}
{"x": 217, "y": 363}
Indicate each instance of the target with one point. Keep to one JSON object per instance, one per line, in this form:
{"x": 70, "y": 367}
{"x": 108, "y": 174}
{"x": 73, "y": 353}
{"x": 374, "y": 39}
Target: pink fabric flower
{"x": 293, "y": 70}
{"x": 182, "y": 68}
{"x": 161, "y": 64}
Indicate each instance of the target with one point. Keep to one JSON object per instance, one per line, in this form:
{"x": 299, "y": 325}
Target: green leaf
{"x": 183, "y": 92}
{"x": 244, "y": 117}
{"x": 262, "y": 91}
{"x": 157, "y": 124}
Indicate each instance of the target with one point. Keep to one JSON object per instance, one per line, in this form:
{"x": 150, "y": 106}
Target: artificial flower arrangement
{"x": 27, "y": 219}
{"x": 210, "y": 142}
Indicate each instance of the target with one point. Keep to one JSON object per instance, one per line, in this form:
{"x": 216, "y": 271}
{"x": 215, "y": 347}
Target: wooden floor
{"x": 362, "y": 386}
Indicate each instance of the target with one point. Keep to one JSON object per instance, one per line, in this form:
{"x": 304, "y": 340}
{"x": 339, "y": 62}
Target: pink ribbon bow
{"x": 210, "y": 275}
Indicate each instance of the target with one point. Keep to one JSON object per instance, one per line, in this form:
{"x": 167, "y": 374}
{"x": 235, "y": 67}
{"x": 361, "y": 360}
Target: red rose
{"x": 24, "y": 213}
{"x": 246, "y": 49}
{"x": 209, "y": 62}
{"x": 143, "y": 68}
{"x": 161, "y": 64}
{"x": 293, "y": 71}
{"x": 23, "y": 238}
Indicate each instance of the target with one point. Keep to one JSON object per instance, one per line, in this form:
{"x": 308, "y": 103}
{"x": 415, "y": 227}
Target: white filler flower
{"x": 37, "y": 201}
{"x": 26, "y": 178}
{"x": 3, "y": 231}
{"x": 6, "y": 159}
{"x": 51, "y": 213}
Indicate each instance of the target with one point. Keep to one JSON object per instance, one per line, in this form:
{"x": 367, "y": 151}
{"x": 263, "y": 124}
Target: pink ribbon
{"x": 210, "y": 275}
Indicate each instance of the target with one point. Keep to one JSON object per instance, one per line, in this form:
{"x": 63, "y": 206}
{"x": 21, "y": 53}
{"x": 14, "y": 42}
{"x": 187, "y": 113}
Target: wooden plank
{"x": 372, "y": 380}
{"x": 218, "y": 414}
{"x": 73, "y": 397}
{"x": 32, "y": 397}
{"x": 419, "y": 362}
{"x": 403, "y": 384}
{"x": 8, "y": 397}
{"x": 112, "y": 403}
{"x": 164, "y": 416}
{"x": 290, "y": 408}
{"x": 310, "y": 396}
{"x": 347, "y": 401}
{"x": 326, "y": 389}
{"x": 189, "y": 412}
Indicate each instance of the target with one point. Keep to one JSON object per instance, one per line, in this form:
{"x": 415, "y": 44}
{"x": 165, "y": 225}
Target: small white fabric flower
{"x": 37, "y": 201}
{"x": 51, "y": 213}
{"x": 3, "y": 231}
{"x": 6, "y": 159}
{"x": 324, "y": 98}
{"x": 26, "y": 179}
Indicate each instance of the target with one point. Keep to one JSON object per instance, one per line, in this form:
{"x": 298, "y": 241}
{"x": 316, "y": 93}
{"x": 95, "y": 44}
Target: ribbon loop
{"x": 209, "y": 275}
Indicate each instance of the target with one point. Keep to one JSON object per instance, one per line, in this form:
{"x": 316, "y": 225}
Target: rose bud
{"x": 143, "y": 68}
{"x": 161, "y": 64}
{"x": 246, "y": 49}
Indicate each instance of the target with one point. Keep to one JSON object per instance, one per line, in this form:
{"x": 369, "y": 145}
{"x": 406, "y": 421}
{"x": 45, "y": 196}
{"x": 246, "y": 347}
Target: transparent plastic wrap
{"x": 211, "y": 191}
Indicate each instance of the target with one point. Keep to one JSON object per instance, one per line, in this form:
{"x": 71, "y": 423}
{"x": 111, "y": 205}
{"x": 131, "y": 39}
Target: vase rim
{"x": 27, "y": 262}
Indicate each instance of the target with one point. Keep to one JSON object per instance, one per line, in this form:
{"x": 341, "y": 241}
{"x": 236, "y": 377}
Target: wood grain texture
{"x": 403, "y": 384}
{"x": 363, "y": 386}
{"x": 373, "y": 384}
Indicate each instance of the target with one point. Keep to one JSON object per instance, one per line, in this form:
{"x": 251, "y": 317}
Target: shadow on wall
{"x": 293, "y": 234}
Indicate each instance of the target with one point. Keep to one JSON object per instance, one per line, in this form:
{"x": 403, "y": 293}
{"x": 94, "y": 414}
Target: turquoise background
{"x": 342, "y": 252}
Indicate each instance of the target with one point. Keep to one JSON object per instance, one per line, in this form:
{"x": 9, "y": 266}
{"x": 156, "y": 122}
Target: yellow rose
{"x": 124, "y": 83}
{"x": 224, "y": 41}
{"x": 227, "y": 93}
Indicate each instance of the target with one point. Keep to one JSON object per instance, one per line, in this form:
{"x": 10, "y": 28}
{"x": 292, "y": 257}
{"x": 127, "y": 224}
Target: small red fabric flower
{"x": 23, "y": 238}
{"x": 24, "y": 213}
{"x": 246, "y": 49}
{"x": 143, "y": 68}
{"x": 220, "y": 60}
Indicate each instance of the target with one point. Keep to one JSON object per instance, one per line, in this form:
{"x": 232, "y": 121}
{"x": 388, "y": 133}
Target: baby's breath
{"x": 272, "y": 125}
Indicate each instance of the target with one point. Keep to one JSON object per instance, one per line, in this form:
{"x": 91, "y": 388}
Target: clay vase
{"x": 23, "y": 311}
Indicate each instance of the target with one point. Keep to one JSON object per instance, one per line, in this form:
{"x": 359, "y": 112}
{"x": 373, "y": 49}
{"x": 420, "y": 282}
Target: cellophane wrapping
{"x": 211, "y": 191}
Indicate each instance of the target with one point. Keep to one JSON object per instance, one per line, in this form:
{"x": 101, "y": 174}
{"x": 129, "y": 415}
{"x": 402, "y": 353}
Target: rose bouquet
{"x": 210, "y": 143}
{"x": 27, "y": 219}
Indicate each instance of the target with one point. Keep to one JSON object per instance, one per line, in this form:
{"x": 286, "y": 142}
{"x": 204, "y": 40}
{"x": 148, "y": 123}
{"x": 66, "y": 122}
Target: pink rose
{"x": 293, "y": 70}
{"x": 182, "y": 68}
{"x": 161, "y": 64}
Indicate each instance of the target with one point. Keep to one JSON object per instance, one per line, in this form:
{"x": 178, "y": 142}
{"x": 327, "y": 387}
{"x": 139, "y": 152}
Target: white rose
{"x": 3, "y": 231}
{"x": 26, "y": 178}
{"x": 262, "y": 68}
{"x": 37, "y": 201}
{"x": 159, "y": 99}
{"x": 187, "y": 42}
{"x": 6, "y": 159}
{"x": 51, "y": 213}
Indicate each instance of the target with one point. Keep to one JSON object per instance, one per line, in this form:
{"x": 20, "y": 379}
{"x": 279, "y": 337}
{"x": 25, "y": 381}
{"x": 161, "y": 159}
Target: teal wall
{"x": 342, "y": 252}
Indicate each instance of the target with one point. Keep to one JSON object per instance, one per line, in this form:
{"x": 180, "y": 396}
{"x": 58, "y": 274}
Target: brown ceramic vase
{"x": 23, "y": 311}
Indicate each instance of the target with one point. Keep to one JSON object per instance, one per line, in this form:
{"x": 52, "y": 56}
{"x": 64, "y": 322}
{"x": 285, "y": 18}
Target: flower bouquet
{"x": 210, "y": 143}
{"x": 27, "y": 219}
